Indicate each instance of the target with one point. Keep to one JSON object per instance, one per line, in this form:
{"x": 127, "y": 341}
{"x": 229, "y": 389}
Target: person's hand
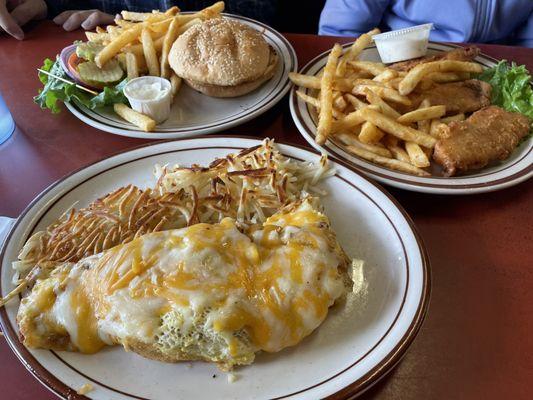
{"x": 87, "y": 19}
{"x": 17, "y": 13}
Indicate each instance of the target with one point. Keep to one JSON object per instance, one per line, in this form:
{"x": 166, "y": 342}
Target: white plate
{"x": 517, "y": 168}
{"x": 195, "y": 114}
{"x": 346, "y": 355}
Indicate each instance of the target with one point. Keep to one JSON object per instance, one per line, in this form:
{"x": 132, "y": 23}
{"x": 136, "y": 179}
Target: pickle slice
{"x": 88, "y": 50}
{"x": 109, "y": 73}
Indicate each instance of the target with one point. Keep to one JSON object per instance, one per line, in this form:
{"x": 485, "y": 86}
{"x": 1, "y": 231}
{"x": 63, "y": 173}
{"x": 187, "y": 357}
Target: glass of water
{"x": 7, "y": 125}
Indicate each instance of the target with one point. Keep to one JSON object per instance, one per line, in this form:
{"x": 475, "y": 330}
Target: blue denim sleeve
{"x": 351, "y": 17}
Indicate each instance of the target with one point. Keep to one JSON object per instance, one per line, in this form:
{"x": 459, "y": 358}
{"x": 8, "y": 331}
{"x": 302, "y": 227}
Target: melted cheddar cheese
{"x": 276, "y": 285}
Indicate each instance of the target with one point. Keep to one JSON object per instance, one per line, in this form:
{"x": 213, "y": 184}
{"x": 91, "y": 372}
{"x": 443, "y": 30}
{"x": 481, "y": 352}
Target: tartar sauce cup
{"x": 150, "y": 95}
{"x": 403, "y": 44}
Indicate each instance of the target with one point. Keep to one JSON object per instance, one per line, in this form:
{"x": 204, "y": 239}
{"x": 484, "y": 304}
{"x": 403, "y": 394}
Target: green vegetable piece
{"x": 511, "y": 87}
{"x": 55, "y": 91}
{"x": 88, "y": 50}
{"x": 109, "y": 73}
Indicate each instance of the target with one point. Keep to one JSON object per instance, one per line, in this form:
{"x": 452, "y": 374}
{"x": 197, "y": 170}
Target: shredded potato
{"x": 249, "y": 186}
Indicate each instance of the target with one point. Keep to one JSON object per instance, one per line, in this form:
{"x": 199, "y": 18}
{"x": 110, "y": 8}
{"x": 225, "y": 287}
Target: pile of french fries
{"x": 359, "y": 106}
{"x": 141, "y": 43}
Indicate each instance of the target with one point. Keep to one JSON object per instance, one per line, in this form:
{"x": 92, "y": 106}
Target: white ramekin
{"x": 158, "y": 109}
{"x": 403, "y": 44}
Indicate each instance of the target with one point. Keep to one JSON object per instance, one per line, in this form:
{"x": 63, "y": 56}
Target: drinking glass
{"x": 7, "y": 125}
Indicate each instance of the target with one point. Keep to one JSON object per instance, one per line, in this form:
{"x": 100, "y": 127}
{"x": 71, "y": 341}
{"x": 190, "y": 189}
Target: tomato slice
{"x": 72, "y": 64}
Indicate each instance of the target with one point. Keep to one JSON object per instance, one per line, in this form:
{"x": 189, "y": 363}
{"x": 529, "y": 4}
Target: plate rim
{"x": 354, "y": 389}
{"x": 277, "y": 94}
{"x": 383, "y": 175}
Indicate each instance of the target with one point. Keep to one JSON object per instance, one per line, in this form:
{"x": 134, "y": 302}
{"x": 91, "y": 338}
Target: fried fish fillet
{"x": 458, "y": 97}
{"x": 462, "y": 54}
{"x": 205, "y": 292}
{"x": 487, "y": 135}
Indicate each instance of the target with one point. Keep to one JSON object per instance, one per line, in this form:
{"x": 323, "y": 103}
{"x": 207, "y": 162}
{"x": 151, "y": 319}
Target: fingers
{"x": 8, "y": 23}
{"x": 95, "y": 19}
{"x": 75, "y": 20}
{"x": 61, "y": 18}
{"x": 28, "y": 11}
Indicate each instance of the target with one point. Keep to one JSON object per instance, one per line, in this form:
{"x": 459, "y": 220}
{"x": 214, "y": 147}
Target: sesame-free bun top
{"x": 220, "y": 52}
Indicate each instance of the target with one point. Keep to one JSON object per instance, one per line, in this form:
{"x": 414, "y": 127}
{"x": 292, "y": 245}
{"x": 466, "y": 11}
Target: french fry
{"x": 161, "y": 26}
{"x": 444, "y": 77}
{"x": 424, "y": 103}
{"x": 349, "y": 121}
{"x": 424, "y": 126}
{"x": 142, "y": 121}
{"x": 124, "y": 23}
{"x": 97, "y": 37}
{"x": 117, "y": 44}
{"x": 325, "y": 117}
{"x": 393, "y": 145}
{"x": 368, "y": 66}
{"x": 131, "y": 66}
{"x": 212, "y": 11}
{"x": 355, "y": 102}
{"x": 355, "y": 49}
{"x": 368, "y": 82}
{"x": 417, "y": 155}
{"x": 374, "y": 99}
{"x": 353, "y": 75}
{"x": 113, "y": 31}
{"x": 151, "y": 17}
{"x": 437, "y": 129}
{"x": 339, "y": 103}
{"x": 172, "y": 11}
{"x": 386, "y": 75}
{"x": 135, "y": 16}
{"x": 187, "y": 25}
{"x": 168, "y": 40}
{"x": 387, "y": 162}
{"x": 141, "y": 62}
{"x": 313, "y": 82}
{"x": 360, "y": 44}
{"x": 421, "y": 114}
{"x": 351, "y": 140}
{"x": 456, "y": 117}
{"x": 389, "y": 125}
{"x": 138, "y": 50}
{"x": 150, "y": 53}
{"x": 394, "y": 83}
{"x": 316, "y": 103}
{"x": 175, "y": 85}
{"x": 415, "y": 75}
{"x": 370, "y": 133}
{"x": 379, "y": 151}
{"x": 383, "y": 92}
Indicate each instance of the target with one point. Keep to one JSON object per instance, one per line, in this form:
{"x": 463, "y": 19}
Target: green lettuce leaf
{"x": 511, "y": 87}
{"x": 56, "y": 91}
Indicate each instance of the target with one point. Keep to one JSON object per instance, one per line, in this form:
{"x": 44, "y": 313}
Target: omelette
{"x": 209, "y": 291}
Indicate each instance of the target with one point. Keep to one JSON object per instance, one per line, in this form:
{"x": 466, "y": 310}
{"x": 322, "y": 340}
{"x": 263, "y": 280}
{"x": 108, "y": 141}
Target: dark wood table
{"x": 477, "y": 339}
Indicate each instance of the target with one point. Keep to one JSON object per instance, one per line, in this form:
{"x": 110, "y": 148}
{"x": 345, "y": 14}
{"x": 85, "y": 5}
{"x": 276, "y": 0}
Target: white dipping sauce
{"x": 403, "y": 44}
{"x": 150, "y": 95}
{"x": 149, "y": 91}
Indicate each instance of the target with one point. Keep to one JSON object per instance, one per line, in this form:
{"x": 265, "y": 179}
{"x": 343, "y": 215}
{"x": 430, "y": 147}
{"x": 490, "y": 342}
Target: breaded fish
{"x": 458, "y": 97}
{"x": 462, "y": 54}
{"x": 487, "y": 135}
